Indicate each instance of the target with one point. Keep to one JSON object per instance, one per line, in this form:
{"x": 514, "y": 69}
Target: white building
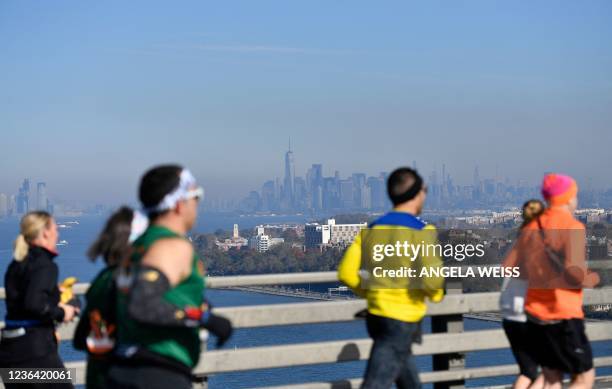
{"x": 235, "y": 242}
{"x": 344, "y": 234}
{"x": 263, "y": 242}
{"x": 331, "y": 234}
{"x": 260, "y": 243}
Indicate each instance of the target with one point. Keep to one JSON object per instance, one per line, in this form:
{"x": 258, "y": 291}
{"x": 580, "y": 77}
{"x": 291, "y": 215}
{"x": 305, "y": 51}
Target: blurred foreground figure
{"x": 160, "y": 294}
{"x": 96, "y": 331}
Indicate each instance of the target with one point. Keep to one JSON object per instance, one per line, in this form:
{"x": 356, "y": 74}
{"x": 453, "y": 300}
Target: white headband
{"x": 182, "y": 192}
{"x": 140, "y": 222}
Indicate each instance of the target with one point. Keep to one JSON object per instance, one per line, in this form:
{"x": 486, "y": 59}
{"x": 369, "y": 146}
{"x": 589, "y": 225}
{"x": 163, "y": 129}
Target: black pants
{"x": 51, "y": 360}
{"x": 562, "y": 346}
{"x": 391, "y": 358}
{"x": 146, "y": 377}
{"x": 523, "y": 347}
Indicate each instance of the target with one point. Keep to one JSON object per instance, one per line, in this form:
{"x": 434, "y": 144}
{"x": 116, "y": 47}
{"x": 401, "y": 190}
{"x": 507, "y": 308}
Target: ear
{"x": 45, "y": 232}
{"x": 179, "y": 208}
{"x": 422, "y": 195}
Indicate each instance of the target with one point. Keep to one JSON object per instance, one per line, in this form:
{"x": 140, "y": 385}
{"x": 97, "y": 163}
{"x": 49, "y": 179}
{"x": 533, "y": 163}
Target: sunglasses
{"x": 197, "y": 193}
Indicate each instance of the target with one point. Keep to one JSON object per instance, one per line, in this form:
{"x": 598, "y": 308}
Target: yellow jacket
{"x": 402, "y": 298}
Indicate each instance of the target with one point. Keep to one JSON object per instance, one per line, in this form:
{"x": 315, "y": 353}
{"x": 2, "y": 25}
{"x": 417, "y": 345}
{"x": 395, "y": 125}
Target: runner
{"x": 395, "y": 306}
{"x": 33, "y": 305}
{"x": 552, "y": 250}
{"x": 512, "y": 306}
{"x": 160, "y": 312}
{"x": 96, "y": 330}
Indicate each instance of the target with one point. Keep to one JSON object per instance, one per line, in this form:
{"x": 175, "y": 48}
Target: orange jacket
{"x": 550, "y": 296}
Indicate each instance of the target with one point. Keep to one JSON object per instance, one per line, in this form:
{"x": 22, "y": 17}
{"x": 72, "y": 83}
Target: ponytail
{"x": 113, "y": 242}
{"x": 32, "y": 224}
{"x": 532, "y": 209}
{"x": 20, "y": 248}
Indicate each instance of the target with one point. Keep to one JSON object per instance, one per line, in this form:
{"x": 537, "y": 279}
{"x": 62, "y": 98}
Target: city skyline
{"x": 315, "y": 192}
{"x": 219, "y": 88}
{"x": 125, "y": 188}
{"x": 26, "y": 199}
{"x": 445, "y": 192}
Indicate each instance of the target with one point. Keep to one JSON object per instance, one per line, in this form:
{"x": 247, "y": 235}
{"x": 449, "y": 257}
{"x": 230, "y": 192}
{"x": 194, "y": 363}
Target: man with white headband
{"x": 160, "y": 313}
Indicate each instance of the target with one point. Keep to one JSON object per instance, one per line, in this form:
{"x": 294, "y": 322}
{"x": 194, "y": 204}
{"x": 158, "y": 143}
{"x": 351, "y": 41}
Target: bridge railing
{"x": 288, "y": 355}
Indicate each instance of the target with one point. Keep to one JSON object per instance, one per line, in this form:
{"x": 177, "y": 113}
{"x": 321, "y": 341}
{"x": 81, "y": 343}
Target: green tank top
{"x": 181, "y": 344}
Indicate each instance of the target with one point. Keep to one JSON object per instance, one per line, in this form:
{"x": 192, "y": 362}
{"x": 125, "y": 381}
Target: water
{"x": 72, "y": 262}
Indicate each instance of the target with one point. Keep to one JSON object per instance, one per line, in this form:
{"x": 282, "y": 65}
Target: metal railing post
{"x": 451, "y": 324}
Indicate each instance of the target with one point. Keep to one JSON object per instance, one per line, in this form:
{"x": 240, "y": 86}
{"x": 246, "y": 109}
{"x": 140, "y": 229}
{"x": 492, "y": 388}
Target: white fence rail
{"x": 222, "y": 361}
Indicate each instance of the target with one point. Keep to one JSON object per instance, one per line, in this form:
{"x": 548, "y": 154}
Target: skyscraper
{"x": 443, "y": 183}
{"x": 347, "y": 189}
{"x": 314, "y": 175}
{"x": 3, "y": 205}
{"x": 268, "y": 196}
{"x": 41, "y": 197}
{"x": 12, "y": 205}
{"x": 359, "y": 188}
{"x": 24, "y": 197}
{"x": 299, "y": 193}
{"x": 377, "y": 192}
{"x": 288, "y": 192}
{"x": 476, "y": 184}
{"x": 331, "y": 193}
{"x": 314, "y": 183}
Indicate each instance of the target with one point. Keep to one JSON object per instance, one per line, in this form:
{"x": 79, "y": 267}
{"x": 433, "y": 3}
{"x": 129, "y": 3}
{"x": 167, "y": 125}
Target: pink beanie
{"x": 559, "y": 189}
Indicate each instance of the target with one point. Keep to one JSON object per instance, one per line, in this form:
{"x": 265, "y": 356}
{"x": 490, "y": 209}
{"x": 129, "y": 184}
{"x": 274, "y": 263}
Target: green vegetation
{"x": 283, "y": 258}
{"x": 289, "y": 256}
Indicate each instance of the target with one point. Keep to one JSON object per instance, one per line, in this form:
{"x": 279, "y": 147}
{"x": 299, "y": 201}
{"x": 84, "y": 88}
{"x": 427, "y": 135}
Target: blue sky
{"x": 91, "y": 94}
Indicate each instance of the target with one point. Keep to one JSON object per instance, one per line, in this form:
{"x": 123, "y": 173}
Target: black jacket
{"x": 32, "y": 294}
{"x": 31, "y": 288}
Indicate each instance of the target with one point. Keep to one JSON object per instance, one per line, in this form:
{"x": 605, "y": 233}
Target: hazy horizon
{"x": 94, "y": 94}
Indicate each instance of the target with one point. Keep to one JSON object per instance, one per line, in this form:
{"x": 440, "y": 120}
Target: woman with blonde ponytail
{"x": 21, "y": 248}
{"x": 33, "y": 300}
{"x": 514, "y": 319}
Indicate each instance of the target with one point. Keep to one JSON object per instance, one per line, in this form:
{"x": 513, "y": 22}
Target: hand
{"x": 70, "y": 311}
{"x": 219, "y": 326}
{"x": 591, "y": 280}
{"x": 75, "y": 302}
{"x": 574, "y": 277}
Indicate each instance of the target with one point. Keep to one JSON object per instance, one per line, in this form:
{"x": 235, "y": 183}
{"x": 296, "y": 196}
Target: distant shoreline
{"x": 289, "y": 292}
